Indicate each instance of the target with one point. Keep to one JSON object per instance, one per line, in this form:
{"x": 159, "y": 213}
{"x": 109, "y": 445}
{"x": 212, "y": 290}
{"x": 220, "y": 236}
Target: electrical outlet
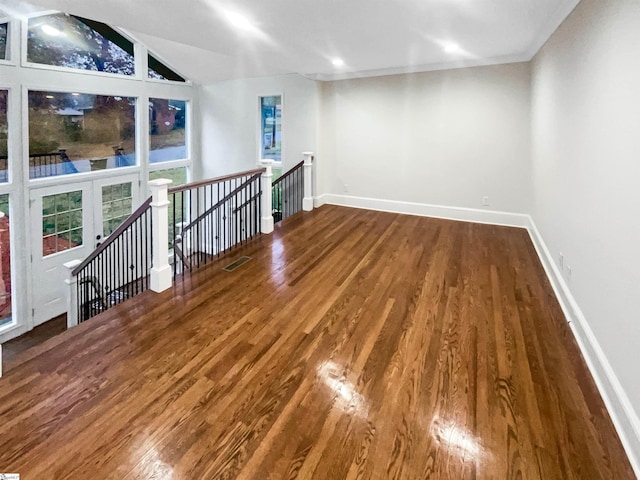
{"x": 485, "y": 201}
{"x": 561, "y": 260}
{"x": 346, "y": 188}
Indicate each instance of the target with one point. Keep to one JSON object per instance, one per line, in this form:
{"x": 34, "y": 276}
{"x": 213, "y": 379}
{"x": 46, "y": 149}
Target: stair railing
{"x": 118, "y": 269}
{"x": 291, "y": 192}
{"x": 209, "y": 218}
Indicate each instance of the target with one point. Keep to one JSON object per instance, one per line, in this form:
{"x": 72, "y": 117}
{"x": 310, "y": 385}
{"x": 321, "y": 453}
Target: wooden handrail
{"x": 111, "y": 238}
{"x": 211, "y": 181}
{"x": 280, "y": 179}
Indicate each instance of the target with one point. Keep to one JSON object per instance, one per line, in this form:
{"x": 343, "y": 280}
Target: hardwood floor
{"x": 354, "y": 345}
{"x": 35, "y": 337}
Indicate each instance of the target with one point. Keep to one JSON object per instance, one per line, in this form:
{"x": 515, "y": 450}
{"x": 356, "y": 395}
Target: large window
{"x": 4, "y": 153}
{"x": 5, "y": 262}
{"x": 4, "y": 41}
{"x": 69, "y": 41}
{"x": 167, "y": 122}
{"x": 74, "y": 132}
{"x": 271, "y": 127}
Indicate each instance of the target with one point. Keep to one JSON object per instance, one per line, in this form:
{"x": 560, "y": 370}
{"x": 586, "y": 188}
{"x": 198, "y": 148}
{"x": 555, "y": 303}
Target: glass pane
{"x": 62, "y": 222}
{"x": 69, "y": 41}
{"x": 5, "y": 262}
{"x": 76, "y": 219}
{"x": 76, "y": 236}
{"x": 271, "y": 127}
{"x": 116, "y": 206}
{"x": 4, "y": 131}
{"x": 57, "y": 228}
{"x": 4, "y": 35}
{"x": 72, "y": 132}
{"x": 167, "y": 130}
{"x": 49, "y": 225}
{"x": 160, "y": 71}
{"x": 62, "y": 202}
{"x": 177, "y": 175}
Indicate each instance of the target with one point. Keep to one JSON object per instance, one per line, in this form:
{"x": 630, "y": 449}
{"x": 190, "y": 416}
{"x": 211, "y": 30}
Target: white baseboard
{"x": 622, "y": 412}
{"x": 426, "y": 210}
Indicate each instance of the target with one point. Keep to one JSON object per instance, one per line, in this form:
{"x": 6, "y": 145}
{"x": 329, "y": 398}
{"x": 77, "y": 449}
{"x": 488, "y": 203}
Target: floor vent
{"x": 236, "y": 264}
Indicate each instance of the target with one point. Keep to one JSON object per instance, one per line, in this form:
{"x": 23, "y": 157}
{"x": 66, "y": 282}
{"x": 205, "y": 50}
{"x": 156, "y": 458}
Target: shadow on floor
{"x": 40, "y": 334}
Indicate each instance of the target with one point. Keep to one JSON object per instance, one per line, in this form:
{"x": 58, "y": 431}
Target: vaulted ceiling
{"x": 372, "y": 37}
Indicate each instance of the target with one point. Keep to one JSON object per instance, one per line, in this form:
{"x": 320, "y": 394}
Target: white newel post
{"x": 266, "y": 222}
{"x": 73, "y": 315}
{"x": 307, "y": 200}
{"x": 161, "y": 270}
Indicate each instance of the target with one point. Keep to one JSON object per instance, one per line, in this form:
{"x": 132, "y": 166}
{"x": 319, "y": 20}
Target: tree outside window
{"x": 69, "y": 41}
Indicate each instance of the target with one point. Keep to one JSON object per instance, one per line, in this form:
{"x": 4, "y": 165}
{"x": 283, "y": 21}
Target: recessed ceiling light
{"x": 51, "y": 31}
{"x": 239, "y": 21}
{"x": 50, "y": 96}
{"x": 75, "y": 94}
{"x": 337, "y": 62}
{"x": 451, "y": 47}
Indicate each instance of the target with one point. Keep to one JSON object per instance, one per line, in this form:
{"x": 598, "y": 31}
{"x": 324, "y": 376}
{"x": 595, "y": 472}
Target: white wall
{"x": 586, "y": 178}
{"x": 445, "y": 138}
{"x": 230, "y": 119}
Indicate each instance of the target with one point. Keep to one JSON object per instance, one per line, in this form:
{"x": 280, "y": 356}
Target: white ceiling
{"x": 373, "y": 37}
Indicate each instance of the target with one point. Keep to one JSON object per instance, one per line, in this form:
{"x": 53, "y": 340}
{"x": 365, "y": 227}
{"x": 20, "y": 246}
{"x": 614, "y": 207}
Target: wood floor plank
{"x": 354, "y": 345}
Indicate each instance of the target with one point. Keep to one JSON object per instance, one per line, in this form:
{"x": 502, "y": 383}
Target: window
{"x": 61, "y": 222}
{"x": 159, "y": 71}
{"x": 167, "y": 120}
{"x": 117, "y": 203}
{"x": 271, "y": 127}
{"x": 4, "y": 153}
{"x": 74, "y": 132}
{"x": 4, "y": 41}
{"x": 74, "y": 42}
{"x": 5, "y": 262}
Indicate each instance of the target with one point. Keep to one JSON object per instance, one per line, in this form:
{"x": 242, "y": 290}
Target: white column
{"x": 73, "y": 315}
{"x": 266, "y": 222}
{"x": 161, "y": 270}
{"x": 307, "y": 201}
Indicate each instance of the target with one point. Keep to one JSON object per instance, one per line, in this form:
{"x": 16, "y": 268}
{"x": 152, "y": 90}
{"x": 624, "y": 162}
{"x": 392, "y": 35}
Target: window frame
{"x": 280, "y": 162}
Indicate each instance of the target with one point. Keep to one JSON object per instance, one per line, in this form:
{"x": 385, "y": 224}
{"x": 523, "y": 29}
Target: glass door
{"x": 67, "y": 223}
